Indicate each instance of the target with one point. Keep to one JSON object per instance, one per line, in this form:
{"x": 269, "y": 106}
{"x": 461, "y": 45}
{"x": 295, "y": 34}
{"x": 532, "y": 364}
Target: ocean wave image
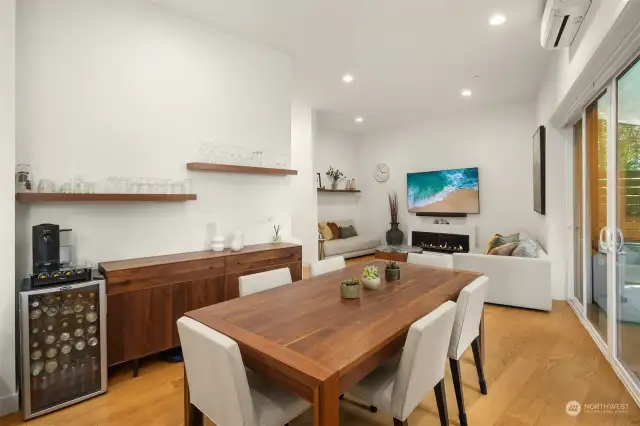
{"x": 444, "y": 191}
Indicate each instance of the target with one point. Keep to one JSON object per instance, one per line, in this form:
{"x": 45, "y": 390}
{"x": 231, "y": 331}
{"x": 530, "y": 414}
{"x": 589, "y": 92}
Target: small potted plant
{"x": 334, "y": 175}
{"x": 276, "y": 236}
{"x": 370, "y": 277}
{"x": 392, "y": 271}
{"x": 350, "y": 289}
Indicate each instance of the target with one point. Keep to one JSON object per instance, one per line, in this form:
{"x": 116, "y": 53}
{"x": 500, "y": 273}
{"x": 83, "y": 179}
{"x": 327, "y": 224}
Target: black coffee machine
{"x": 47, "y": 268}
{"x": 46, "y": 248}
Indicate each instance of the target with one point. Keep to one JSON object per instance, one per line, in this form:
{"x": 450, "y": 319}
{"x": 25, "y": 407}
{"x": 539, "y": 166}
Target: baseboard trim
{"x": 9, "y": 404}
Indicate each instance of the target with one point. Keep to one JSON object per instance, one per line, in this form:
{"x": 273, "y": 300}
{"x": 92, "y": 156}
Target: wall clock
{"x": 381, "y": 173}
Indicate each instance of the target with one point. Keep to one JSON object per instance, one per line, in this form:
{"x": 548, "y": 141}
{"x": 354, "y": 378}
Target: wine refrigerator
{"x": 62, "y": 345}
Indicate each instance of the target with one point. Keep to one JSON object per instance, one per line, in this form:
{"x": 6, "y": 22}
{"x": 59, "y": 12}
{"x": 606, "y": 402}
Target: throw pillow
{"x": 497, "y": 240}
{"x": 526, "y": 248}
{"x": 335, "y": 230}
{"x": 504, "y": 239}
{"x": 325, "y": 231}
{"x": 504, "y": 250}
{"x": 492, "y": 243}
{"x": 348, "y": 232}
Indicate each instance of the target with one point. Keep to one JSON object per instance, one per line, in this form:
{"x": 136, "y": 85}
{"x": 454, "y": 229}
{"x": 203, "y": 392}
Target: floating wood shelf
{"x": 338, "y": 190}
{"x": 229, "y": 168}
{"x": 37, "y": 197}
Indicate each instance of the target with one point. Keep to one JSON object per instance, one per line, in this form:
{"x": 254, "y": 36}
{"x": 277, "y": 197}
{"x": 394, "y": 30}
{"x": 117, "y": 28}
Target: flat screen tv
{"x": 453, "y": 192}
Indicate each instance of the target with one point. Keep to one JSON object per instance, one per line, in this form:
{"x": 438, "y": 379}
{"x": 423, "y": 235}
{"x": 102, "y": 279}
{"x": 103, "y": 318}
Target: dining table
{"x": 306, "y": 338}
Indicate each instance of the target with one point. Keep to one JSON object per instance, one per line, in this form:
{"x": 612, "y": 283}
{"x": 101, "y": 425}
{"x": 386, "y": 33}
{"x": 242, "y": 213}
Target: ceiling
{"x": 410, "y": 58}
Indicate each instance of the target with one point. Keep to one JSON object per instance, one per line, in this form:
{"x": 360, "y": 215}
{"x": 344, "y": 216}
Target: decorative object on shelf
{"x": 352, "y": 186}
{"x": 24, "y": 178}
{"x": 395, "y": 236}
{"x": 371, "y": 277}
{"x": 347, "y": 186}
{"x": 350, "y": 289}
{"x": 381, "y": 173}
{"x": 319, "y": 180}
{"x": 276, "y": 237}
{"x": 46, "y": 186}
{"x": 334, "y": 175}
{"x": 441, "y": 222}
{"x": 217, "y": 242}
{"x": 392, "y": 271}
{"x": 237, "y": 243}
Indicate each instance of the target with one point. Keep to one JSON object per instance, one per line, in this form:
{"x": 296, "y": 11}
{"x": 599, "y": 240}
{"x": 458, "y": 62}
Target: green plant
{"x": 392, "y": 265}
{"x": 334, "y": 174}
{"x": 351, "y": 282}
{"x": 370, "y": 273}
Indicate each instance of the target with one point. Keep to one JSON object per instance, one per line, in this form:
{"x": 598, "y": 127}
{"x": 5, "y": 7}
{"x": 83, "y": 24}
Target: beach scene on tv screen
{"x": 444, "y": 191}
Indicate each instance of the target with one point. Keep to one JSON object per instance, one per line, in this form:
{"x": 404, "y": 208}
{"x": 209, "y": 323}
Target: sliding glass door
{"x": 627, "y": 239}
{"x": 605, "y": 290}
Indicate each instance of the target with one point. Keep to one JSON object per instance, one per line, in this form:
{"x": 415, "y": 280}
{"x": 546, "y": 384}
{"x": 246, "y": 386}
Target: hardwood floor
{"x": 536, "y": 362}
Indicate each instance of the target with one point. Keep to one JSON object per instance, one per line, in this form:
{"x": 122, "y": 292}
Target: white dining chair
{"x": 466, "y": 332}
{"x": 398, "y": 385}
{"x": 327, "y": 265}
{"x": 222, "y": 389}
{"x": 431, "y": 259}
{"x": 262, "y": 281}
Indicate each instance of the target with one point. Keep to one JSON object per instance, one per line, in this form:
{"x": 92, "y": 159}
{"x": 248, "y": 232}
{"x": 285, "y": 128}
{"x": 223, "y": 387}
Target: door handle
{"x": 604, "y": 245}
{"x": 619, "y": 234}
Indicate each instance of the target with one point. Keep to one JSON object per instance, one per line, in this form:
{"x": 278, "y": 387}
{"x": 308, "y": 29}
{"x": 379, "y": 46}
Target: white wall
{"x": 126, "y": 88}
{"x": 341, "y": 151}
{"x": 304, "y": 204}
{"x": 8, "y": 396}
{"x": 497, "y": 140}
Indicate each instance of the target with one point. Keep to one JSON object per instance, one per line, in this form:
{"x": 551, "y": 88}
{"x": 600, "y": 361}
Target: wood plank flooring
{"x": 536, "y": 362}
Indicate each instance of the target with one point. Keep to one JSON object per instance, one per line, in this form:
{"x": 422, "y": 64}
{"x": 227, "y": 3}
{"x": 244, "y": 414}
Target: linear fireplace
{"x": 440, "y": 242}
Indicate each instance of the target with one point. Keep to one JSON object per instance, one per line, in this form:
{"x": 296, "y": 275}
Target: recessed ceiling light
{"x": 347, "y": 78}
{"x": 497, "y": 19}
{"x": 466, "y": 93}
{"x": 359, "y": 119}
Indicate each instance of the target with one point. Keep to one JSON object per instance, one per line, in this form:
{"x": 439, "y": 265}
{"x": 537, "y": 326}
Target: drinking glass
{"x": 176, "y": 188}
{"x": 187, "y": 186}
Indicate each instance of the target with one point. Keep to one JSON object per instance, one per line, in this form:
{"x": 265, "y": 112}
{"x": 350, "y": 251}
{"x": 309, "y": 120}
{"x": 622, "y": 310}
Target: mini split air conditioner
{"x": 561, "y": 22}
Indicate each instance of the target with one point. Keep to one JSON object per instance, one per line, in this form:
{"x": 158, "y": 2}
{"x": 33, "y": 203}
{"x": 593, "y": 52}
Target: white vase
{"x": 237, "y": 243}
{"x": 370, "y": 284}
{"x": 217, "y": 243}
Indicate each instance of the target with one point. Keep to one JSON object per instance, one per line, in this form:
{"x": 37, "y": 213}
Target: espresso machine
{"x": 61, "y": 328}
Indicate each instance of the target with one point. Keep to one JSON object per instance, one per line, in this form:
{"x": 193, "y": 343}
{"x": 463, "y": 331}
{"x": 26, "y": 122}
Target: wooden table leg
{"x": 327, "y": 403}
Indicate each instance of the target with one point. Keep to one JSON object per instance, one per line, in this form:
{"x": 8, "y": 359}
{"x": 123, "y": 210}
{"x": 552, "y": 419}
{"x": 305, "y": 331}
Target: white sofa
{"x": 514, "y": 281}
{"x": 361, "y": 245}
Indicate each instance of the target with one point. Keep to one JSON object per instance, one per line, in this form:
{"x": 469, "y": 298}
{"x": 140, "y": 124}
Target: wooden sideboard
{"x": 145, "y": 297}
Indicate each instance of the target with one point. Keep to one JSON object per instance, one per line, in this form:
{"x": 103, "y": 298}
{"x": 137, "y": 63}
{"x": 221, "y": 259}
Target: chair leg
{"x": 475, "y": 346}
{"x": 457, "y": 384}
{"x": 397, "y": 422}
{"x": 195, "y": 416}
{"x": 441, "y": 400}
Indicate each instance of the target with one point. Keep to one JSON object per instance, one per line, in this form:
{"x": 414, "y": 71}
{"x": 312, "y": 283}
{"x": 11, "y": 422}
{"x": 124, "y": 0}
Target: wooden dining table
{"x": 309, "y": 340}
